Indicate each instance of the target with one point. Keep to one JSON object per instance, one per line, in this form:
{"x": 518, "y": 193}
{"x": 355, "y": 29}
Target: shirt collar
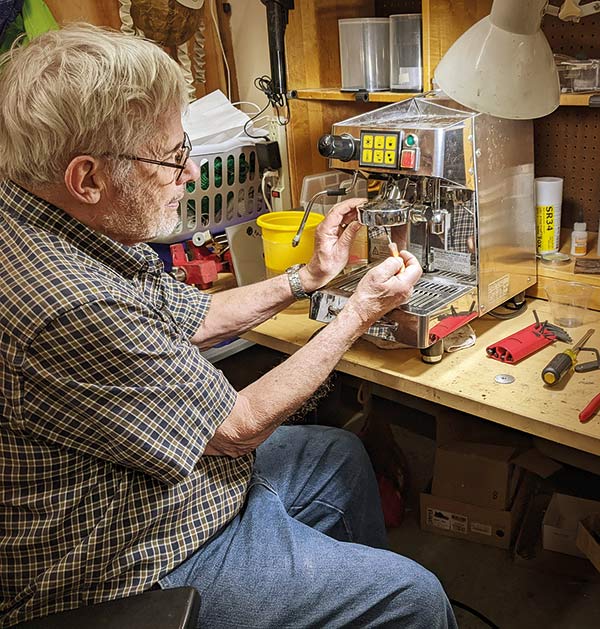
{"x": 30, "y": 209}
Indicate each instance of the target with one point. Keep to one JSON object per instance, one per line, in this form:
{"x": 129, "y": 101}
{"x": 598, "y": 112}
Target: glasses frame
{"x": 186, "y": 145}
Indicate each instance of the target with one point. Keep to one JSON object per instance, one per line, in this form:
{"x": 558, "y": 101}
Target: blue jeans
{"x": 307, "y": 549}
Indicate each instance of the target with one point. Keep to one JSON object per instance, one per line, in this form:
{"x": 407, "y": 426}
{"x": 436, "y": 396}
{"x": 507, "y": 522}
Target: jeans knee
{"x": 347, "y": 447}
{"x": 430, "y": 602}
{"x": 345, "y": 441}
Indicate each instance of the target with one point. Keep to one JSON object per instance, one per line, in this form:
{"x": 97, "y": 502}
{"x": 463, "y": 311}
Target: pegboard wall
{"x": 567, "y": 142}
{"x": 567, "y": 145}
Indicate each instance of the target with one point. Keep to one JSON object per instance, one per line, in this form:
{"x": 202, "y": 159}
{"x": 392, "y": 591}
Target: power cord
{"x": 513, "y": 308}
{"x": 277, "y": 100}
{"x": 486, "y": 621}
{"x": 268, "y": 174}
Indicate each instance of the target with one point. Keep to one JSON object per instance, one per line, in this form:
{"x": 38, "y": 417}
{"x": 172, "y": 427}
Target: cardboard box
{"x": 530, "y": 554}
{"x": 493, "y": 527}
{"x": 479, "y": 474}
{"x": 559, "y": 526}
{"x": 588, "y": 538}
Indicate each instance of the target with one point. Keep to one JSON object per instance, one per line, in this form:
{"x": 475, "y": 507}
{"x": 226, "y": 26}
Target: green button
{"x": 410, "y": 140}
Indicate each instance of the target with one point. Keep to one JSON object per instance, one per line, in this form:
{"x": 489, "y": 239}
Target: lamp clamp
{"x": 571, "y": 11}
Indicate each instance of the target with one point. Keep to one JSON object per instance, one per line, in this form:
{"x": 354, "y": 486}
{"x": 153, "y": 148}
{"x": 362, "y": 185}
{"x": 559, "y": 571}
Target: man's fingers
{"x": 343, "y": 213}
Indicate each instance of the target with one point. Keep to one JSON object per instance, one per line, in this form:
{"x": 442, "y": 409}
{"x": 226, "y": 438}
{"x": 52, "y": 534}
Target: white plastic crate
{"x": 226, "y": 193}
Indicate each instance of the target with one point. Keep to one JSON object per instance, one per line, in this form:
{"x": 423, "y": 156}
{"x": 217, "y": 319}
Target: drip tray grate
{"x": 430, "y": 293}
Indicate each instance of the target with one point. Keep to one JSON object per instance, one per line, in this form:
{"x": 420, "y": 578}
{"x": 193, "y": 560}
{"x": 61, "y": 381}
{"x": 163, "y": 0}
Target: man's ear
{"x": 84, "y": 179}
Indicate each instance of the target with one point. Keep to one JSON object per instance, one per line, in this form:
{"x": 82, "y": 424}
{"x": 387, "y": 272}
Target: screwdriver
{"x": 561, "y": 363}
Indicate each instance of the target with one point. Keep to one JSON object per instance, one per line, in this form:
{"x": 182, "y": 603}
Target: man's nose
{"x": 191, "y": 172}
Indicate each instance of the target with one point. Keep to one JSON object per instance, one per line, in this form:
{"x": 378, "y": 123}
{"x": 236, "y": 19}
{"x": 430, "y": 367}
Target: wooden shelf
{"x": 337, "y": 94}
{"x": 334, "y": 94}
{"x": 580, "y": 100}
{"x": 546, "y": 274}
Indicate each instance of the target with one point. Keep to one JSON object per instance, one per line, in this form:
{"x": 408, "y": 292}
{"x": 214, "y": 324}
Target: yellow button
{"x": 367, "y": 141}
{"x": 379, "y": 141}
{"x": 378, "y": 157}
{"x": 390, "y": 142}
{"x": 367, "y": 156}
{"x": 390, "y": 157}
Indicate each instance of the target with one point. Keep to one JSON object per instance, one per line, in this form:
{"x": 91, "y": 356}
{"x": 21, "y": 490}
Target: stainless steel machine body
{"x": 457, "y": 190}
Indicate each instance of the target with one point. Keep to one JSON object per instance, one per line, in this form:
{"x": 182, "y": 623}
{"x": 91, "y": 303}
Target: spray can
{"x": 548, "y": 195}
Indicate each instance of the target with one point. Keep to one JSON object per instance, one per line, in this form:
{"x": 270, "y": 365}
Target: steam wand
{"x": 336, "y": 192}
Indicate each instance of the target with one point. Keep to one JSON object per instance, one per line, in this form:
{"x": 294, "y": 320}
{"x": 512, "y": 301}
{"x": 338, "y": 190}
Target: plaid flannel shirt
{"x": 106, "y": 409}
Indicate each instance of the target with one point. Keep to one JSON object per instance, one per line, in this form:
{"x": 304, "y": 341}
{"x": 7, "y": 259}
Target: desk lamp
{"x": 503, "y": 65}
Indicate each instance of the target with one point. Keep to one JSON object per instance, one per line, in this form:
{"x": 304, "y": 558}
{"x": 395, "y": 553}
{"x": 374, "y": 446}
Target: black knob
{"x": 342, "y": 147}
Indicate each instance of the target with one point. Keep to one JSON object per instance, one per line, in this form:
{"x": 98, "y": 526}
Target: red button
{"x": 408, "y": 158}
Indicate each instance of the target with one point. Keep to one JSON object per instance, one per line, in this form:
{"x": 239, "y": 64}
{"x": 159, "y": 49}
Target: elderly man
{"x": 128, "y": 461}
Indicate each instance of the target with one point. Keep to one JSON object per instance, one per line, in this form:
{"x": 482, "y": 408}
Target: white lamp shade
{"x": 500, "y": 72}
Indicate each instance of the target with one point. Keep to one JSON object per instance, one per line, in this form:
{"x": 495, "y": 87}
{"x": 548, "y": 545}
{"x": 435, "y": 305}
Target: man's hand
{"x": 266, "y": 402}
{"x": 333, "y": 239}
{"x": 384, "y": 287}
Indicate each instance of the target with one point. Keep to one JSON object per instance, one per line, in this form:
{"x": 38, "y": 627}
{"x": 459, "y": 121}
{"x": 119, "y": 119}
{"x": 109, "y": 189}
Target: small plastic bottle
{"x": 579, "y": 239}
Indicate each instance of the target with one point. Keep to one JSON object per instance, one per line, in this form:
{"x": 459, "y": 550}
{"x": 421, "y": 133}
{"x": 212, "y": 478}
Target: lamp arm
{"x": 571, "y": 11}
{"x": 590, "y": 8}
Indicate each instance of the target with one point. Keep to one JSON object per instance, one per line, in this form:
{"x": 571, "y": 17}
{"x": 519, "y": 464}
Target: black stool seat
{"x": 175, "y": 608}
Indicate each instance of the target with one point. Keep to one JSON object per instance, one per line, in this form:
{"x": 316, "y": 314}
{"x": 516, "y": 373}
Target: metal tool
{"x": 335, "y": 192}
{"x": 392, "y": 246}
{"x": 592, "y": 365}
{"x": 549, "y": 330}
{"x": 199, "y": 264}
{"x": 560, "y": 333}
{"x": 553, "y": 372}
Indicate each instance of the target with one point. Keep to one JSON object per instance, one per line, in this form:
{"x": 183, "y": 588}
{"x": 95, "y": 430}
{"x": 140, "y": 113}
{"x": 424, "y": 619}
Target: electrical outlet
{"x": 273, "y": 129}
{"x": 281, "y": 188}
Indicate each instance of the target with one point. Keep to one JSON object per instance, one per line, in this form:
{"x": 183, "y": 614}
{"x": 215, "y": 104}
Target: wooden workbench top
{"x": 464, "y": 380}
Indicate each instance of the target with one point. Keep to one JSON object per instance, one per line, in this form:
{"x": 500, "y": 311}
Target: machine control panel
{"x": 379, "y": 149}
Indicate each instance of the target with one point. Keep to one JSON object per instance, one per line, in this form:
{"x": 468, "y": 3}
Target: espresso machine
{"x": 456, "y": 189}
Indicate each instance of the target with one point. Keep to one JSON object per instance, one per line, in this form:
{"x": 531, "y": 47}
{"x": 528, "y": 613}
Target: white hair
{"x": 81, "y": 90}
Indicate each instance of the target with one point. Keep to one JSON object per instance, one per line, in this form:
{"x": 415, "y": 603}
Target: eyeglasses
{"x": 180, "y": 160}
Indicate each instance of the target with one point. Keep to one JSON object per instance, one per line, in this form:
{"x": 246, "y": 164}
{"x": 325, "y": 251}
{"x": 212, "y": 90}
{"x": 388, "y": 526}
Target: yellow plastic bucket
{"x": 278, "y": 230}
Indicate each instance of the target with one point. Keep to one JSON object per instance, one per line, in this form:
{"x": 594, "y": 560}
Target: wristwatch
{"x": 295, "y": 282}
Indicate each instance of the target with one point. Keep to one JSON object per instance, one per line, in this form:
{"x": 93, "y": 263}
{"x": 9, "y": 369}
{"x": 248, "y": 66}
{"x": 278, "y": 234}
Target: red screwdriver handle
{"x": 588, "y": 412}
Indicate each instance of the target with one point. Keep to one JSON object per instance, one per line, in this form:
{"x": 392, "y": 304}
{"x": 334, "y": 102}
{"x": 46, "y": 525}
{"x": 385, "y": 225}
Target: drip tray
{"x": 431, "y": 293}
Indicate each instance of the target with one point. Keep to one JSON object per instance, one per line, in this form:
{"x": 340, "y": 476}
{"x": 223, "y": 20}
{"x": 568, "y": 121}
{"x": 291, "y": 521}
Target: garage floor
{"x": 488, "y": 579}
{"x": 511, "y": 595}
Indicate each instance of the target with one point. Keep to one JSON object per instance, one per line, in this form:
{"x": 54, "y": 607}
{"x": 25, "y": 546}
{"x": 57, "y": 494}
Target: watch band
{"x": 295, "y": 283}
